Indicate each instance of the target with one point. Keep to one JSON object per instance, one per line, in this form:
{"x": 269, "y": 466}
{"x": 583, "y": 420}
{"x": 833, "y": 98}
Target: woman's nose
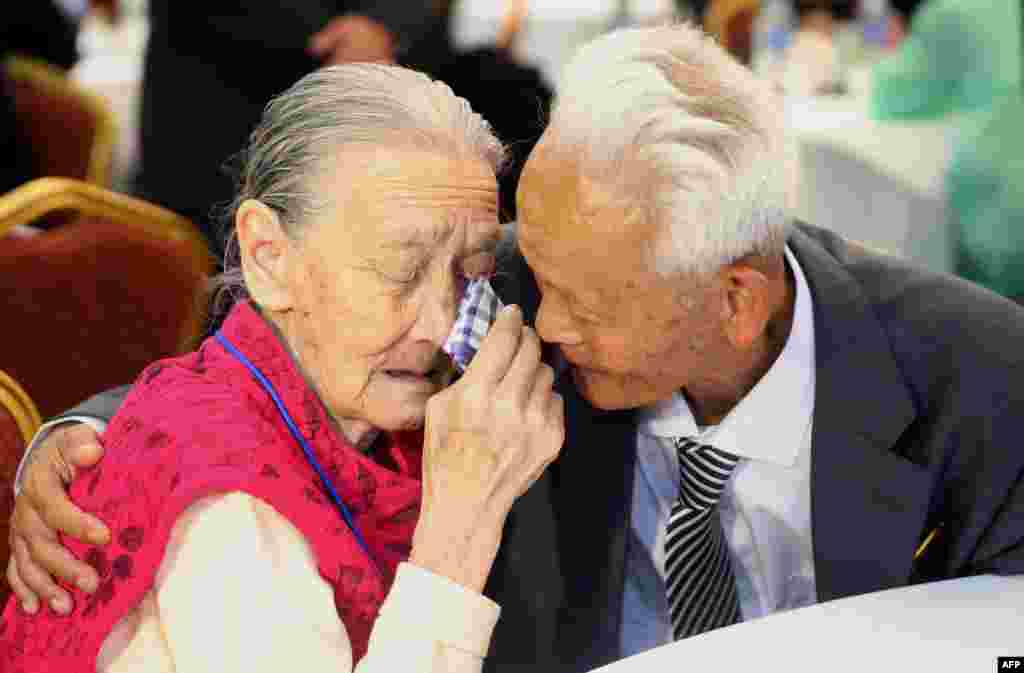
{"x": 437, "y": 317}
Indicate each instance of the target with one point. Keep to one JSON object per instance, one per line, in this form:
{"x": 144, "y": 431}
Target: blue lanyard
{"x": 324, "y": 479}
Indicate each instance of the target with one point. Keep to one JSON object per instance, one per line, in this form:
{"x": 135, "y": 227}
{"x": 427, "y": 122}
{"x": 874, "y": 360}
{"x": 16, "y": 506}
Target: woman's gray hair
{"x": 677, "y": 127}
{"x": 305, "y": 128}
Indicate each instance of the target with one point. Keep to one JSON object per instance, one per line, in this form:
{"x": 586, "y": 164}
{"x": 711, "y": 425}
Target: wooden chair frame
{"x": 43, "y": 196}
{"x": 54, "y": 80}
{"x": 14, "y": 398}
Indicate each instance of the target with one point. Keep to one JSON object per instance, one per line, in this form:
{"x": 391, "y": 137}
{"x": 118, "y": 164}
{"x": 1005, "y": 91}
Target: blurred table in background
{"x": 880, "y": 183}
{"x": 955, "y": 626}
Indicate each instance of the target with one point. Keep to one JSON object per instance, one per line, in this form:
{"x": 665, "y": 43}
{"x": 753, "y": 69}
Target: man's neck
{"x": 711, "y": 409}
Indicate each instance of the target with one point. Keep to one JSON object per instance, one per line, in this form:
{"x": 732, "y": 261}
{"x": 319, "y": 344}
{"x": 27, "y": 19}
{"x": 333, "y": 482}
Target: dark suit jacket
{"x": 918, "y": 415}
{"x": 210, "y": 69}
{"x": 918, "y": 419}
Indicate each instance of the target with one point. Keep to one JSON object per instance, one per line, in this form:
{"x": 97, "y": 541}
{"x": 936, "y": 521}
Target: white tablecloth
{"x": 956, "y": 626}
{"x": 876, "y": 182}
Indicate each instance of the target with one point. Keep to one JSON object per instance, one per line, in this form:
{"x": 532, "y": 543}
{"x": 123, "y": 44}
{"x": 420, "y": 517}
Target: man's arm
{"x": 42, "y": 508}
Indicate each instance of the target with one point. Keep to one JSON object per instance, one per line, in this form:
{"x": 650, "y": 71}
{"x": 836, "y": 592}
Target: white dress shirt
{"x": 766, "y": 506}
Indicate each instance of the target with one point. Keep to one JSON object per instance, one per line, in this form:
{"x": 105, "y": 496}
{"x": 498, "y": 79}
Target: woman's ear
{"x": 267, "y": 254}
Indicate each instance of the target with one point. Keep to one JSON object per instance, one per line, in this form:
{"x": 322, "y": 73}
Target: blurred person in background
{"x": 512, "y": 96}
{"x": 211, "y": 67}
{"x": 812, "y": 60}
{"x": 903, "y": 14}
{"x": 39, "y": 30}
{"x": 962, "y": 62}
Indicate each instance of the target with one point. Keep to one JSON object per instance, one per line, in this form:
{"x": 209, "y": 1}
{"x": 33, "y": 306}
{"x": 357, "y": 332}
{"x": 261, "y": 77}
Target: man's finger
{"x": 56, "y": 560}
{"x": 38, "y": 580}
{"x": 498, "y": 347}
{"x": 50, "y": 500}
{"x": 28, "y": 599}
{"x": 78, "y": 447}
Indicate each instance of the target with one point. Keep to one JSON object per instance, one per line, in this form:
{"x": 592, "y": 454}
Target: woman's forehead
{"x": 420, "y": 202}
{"x": 470, "y": 230}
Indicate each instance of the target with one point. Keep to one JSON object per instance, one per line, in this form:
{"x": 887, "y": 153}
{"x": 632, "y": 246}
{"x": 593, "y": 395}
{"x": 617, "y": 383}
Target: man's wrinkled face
{"x": 632, "y": 337}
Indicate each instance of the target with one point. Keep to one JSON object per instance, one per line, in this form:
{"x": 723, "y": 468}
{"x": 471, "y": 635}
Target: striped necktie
{"x": 699, "y": 577}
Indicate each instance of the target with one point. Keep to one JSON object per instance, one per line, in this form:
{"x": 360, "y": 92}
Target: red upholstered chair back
{"x": 71, "y": 131}
{"x": 90, "y": 303}
{"x": 19, "y": 419}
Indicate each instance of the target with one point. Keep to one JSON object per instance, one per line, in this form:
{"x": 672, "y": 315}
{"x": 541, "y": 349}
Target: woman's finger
{"x": 38, "y": 580}
{"x": 543, "y": 383}
{"x": 497, "y": 348}
{"x": 521, "y": 376}
{"x": 556, "y": 412}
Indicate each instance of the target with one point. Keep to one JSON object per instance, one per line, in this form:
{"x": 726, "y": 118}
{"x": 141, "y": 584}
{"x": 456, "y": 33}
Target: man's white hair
{"x": 679, "y": 128}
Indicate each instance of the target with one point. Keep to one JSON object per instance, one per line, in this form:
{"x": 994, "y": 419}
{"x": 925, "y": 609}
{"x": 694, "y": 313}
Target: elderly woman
{"x": 272, "y": 500}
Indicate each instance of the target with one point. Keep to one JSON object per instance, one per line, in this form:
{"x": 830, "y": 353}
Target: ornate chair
{"x": 120, "y": 283}
{"x": 19, "y": 420}
{"x": 71, "y": 131}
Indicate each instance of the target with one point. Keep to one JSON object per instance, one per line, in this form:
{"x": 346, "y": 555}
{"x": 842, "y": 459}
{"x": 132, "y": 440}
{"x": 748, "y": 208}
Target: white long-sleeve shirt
{"x": 239, "y": 590}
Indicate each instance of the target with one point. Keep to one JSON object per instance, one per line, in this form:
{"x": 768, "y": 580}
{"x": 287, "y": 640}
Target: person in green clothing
{"x": 960, "y": 55}
{"x": 963, "y": 58}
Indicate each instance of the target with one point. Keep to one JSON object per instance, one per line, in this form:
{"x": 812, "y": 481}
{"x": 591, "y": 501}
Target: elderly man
{"x": 760, "y": 415}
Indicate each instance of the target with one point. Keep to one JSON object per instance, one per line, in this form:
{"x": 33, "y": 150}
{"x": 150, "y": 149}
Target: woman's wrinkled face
{"x": 380, "y": 275}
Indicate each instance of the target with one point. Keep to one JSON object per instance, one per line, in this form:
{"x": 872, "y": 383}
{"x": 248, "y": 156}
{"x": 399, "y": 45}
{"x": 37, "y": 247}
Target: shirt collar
{"x": 783, "y": 400}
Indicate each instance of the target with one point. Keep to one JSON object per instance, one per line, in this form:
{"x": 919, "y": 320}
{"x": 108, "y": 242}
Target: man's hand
{"x": 353, "y": 38}
{"x": 43, "y": 509}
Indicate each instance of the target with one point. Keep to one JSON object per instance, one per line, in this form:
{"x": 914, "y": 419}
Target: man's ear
{"x": 267, "y": 255}
{"x": 749, "y": 306}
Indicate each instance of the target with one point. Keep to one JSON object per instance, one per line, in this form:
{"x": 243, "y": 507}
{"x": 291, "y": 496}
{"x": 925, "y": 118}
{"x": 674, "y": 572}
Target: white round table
{"x": 881, "y": 183}
{"x": 955, "y": 626}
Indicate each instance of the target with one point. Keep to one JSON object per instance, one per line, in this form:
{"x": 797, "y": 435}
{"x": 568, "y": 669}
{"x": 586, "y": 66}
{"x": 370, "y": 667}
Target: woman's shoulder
{"x": 183, "y": 427}
{"x": 194, "y": 394}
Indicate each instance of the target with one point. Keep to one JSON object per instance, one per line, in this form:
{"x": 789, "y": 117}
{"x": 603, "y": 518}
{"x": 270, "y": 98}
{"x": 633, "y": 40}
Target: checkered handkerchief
{"x": 477, "y": 313}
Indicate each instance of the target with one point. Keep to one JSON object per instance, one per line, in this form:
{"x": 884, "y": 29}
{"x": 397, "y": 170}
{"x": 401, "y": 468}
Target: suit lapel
{"x": 592, "y": 502}
{"x": 868, "y": 502}
{"x": 559, "y": 575}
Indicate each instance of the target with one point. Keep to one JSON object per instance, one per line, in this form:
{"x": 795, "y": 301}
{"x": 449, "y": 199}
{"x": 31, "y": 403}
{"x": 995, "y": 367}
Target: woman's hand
{"x": 42, "y": 510}
{"x": 488, "y": 437}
